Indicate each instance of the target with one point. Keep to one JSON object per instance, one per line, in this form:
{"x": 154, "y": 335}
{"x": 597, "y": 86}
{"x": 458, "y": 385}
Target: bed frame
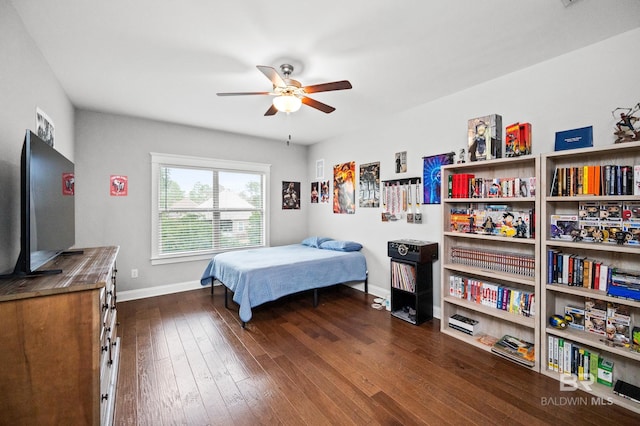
{"x": 315, "y": 294}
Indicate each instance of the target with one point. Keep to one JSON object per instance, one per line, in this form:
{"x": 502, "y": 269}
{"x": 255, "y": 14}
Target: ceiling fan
{"x": 290, "y": 94}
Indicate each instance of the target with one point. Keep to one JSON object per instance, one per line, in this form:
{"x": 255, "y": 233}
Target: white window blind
{"x": 206, "y": 206}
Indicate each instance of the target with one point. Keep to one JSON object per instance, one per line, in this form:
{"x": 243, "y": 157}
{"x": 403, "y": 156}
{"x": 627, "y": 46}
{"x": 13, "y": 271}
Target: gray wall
{"x": 26, "y": 82}
{"x": 578, "y": 89}
{"x": 109, "y": 144}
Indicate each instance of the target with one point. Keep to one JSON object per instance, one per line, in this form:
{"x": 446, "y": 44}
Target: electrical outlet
{"x": 134, "y": 273}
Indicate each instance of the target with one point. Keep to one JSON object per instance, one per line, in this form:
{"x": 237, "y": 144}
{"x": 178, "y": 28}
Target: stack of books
{"x": 516, "y": 350}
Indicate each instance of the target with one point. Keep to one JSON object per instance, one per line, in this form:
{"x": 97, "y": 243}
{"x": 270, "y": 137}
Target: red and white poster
{"x": 119, "y": 186}
{"x": 68, "y": 184}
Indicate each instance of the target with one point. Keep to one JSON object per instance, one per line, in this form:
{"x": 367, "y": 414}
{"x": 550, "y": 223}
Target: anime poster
{"x": 370, "y": 185}
{"x": 344, "y": 188}
{"x": 315, "y": 194}
{"x": 432, "y": 176}
{"x": 68, "y": 184}
{"x": 118, "y": 186}
{"x": 324, "y": 191}
{"x": 290, "y": 195}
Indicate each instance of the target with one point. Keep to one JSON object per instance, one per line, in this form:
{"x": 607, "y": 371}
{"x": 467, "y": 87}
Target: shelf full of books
{"x": 490, "y": 277}
{"x": 590, "y": 302}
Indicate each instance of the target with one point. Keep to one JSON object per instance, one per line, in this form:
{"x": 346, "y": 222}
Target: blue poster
{"x": 432, "y": 177}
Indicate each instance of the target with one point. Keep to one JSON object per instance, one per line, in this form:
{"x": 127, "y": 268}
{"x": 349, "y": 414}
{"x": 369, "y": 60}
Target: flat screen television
{"x": 47, "y": 206}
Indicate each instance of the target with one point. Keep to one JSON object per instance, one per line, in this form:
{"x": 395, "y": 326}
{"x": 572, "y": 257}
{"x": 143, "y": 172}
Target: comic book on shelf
{"x": 516, "y": 350}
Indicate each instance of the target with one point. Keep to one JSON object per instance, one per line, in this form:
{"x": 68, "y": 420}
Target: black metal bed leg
{"x": 226, "y": 292}
{"x": 315, "y": 297}
{"x": 243, "y": 324}
{"x": 366, "y": 284}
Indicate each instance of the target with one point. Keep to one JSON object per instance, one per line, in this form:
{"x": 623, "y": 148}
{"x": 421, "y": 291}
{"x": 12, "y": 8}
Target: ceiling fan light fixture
{"x": 287, "y": 103}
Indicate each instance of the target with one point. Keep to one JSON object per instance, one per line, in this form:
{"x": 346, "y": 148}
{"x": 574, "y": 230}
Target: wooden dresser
{"x": 59, "y": 349}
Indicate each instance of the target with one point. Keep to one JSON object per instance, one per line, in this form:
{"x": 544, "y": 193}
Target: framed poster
{"x": 370, "y": 185}
{"x": 290, "y": 195}
{"x": 432, "y": 176}
{"x": 344, "y": 188}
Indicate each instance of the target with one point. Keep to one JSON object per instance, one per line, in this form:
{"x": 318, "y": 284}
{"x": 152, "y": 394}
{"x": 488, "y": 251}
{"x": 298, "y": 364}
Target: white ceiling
{"x": 167, "y": 59}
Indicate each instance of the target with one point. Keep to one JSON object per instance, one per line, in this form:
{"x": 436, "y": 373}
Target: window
{"x": 202, "y": 206}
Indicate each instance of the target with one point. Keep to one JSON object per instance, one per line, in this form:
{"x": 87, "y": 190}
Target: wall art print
{"x": 432, "y": 176}
{"x": 344, "y": 188}
{"x": 118, "y": 186}
{"x": 369, "y": 185}
{"x": 290, "y": 195}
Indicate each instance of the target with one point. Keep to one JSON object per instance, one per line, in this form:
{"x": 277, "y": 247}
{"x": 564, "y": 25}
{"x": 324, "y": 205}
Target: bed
{"x": 261, "y": 275}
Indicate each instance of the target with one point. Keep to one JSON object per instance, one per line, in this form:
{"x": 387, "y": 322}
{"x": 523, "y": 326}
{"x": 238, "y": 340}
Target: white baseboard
{"x": 143, "y": 293}
{"x": 161, "y": 290}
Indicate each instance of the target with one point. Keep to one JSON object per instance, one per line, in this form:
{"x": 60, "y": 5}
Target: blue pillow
{"x": 314, "y": 241}
{"x": 341, "y": 245}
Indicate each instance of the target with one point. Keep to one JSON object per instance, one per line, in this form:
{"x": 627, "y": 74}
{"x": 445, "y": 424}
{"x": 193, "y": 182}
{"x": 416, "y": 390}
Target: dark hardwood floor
{"x": 185, "y": 360}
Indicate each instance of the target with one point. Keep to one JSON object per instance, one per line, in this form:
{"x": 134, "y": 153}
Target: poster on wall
{"x": 68, "y": 184}
{"x": 45, "y": 128}
{"x": 401, "y": 162}
{"x": 344, "y": 188}
{"x": 119, "y": 186}
{"x": 432, "y": 176}
{"x": 319, "y": 169}
{"x": 315, "y": 194}
{"x": 324, "y": 191}
{"x": 369, "y": 185}
{"x": 290, "y": 195}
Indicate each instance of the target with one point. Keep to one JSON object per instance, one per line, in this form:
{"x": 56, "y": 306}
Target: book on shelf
{"x": 571, "y": 359}
{"x": 520, "y": 264}
{"x": 577, "y": 271}
{"x": 510, "y": 299}
{"x": 624, "y": 284}
{"x": 607, "y": 179}
{"x": 515, "y": 349}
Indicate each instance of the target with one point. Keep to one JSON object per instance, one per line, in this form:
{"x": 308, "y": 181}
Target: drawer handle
{"x": 104, "y": 348}
{"x": 104, "y": 397}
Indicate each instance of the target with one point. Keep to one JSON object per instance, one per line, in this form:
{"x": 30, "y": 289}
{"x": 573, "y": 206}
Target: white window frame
{"x": 160, "y": 159}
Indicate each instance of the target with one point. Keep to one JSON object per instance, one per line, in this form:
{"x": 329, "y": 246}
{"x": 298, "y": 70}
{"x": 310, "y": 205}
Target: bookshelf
{"x": 499, "y": 259}
{"x": 585, "y": 248}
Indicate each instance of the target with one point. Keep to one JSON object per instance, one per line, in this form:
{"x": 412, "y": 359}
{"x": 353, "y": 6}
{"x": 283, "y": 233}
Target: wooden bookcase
{"x": 491, "y": 321}
{"x": 60, "y": 349}
{"x": 555, "y": 297}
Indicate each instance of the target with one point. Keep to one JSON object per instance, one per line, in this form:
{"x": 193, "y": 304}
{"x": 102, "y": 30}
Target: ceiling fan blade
{"x": 327, "y": 87}
{"x": 271, "y": 111}
{"x": 317, "y": 105}
{"x": 272, "y": 75}
{"x": 243, "y": 93}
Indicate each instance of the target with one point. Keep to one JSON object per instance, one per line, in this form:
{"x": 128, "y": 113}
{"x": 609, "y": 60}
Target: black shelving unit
{"x": 411, "y": 287}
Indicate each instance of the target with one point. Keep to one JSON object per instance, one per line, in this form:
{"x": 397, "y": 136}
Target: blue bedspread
{"x": 261, "y": 275}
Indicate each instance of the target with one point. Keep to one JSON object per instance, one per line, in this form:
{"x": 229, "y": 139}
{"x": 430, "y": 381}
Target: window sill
{"x": 165, "y": 260}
